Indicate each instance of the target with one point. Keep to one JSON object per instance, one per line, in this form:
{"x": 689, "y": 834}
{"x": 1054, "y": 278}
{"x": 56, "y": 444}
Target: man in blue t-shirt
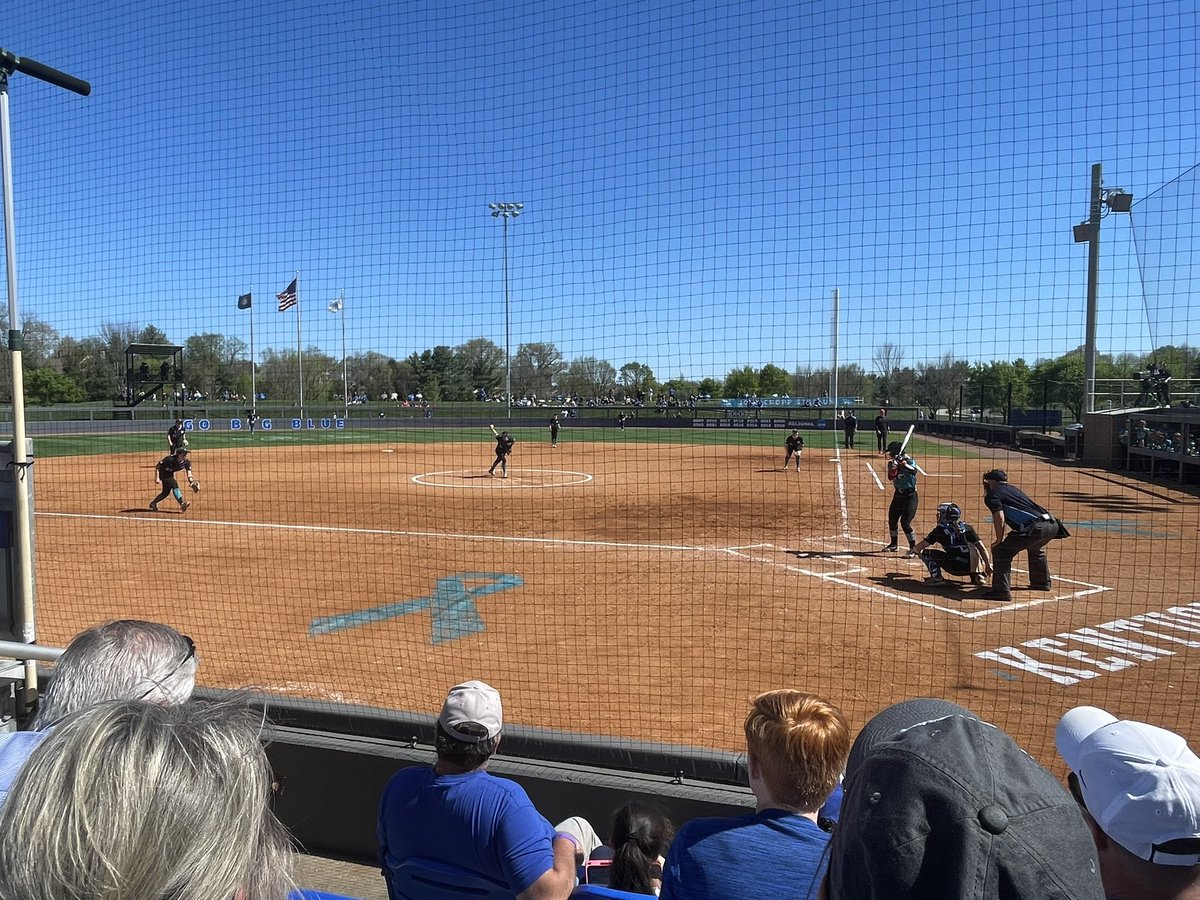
{"x": 456, "y": 812}
{"x": 1030, "y": 528}
{"x": 797, "y": 745}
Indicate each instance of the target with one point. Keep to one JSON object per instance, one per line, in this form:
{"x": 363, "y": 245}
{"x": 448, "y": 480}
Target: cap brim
{"x": 896, "y": 718}
{"x": 1076, "y": 726}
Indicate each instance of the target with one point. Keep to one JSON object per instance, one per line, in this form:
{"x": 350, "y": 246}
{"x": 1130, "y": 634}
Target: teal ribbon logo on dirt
{"x": 451, "y": 607}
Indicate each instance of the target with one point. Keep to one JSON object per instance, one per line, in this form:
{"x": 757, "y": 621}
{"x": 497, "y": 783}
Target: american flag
{"x": 287, "y": 297}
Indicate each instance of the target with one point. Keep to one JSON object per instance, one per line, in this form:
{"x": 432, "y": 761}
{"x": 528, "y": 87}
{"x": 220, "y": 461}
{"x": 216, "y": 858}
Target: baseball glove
{"x": 196, "y": 487}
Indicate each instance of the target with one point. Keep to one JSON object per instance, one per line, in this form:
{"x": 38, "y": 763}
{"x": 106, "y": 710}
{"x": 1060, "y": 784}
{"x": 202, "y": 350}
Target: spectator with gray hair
{"x": 131, "y": 800}
{"x": 128, "y": 659}
{"x": 1139, "y": 789}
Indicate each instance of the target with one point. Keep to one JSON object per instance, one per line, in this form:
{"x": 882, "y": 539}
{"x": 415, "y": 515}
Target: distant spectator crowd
{"x": 126, "y": 788}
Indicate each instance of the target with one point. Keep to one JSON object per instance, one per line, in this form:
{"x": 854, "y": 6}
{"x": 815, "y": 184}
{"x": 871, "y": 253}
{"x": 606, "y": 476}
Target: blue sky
{"x": 697, "y": 177}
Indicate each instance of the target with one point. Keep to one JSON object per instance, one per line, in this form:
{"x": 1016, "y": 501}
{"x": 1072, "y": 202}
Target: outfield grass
{"x": 100, "y": 444}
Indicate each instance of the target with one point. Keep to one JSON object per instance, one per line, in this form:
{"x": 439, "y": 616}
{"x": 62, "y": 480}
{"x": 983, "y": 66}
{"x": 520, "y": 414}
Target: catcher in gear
{"x": 165, "y": 475}
{"x": 962, "y": 550}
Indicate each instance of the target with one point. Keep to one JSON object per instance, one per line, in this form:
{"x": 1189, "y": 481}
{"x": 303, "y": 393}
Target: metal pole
{"x": 345, "y": 378}
{"x": 22, "y": 510}
{"x": 1093, "y": 289}
{"x": 22, "y": 514}
{"x": 253, "y": 367}
{"x": 299, "y": 350}
{"x": 836, "y": 312}
{"x": 507, "y": 327}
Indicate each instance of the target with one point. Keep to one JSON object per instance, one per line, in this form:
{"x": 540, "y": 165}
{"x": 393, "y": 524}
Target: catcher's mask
{"x": 948, "y": 513}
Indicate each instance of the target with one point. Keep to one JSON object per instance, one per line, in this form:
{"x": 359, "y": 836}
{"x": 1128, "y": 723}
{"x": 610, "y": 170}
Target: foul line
{"x": 841, "y": 489}
{"x": 384, "y": 532}
{"x": 871, "y": 469}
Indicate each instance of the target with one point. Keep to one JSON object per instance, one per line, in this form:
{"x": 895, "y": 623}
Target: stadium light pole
{"x": 1102, "y": 202}
{"x": 506, "y": 211}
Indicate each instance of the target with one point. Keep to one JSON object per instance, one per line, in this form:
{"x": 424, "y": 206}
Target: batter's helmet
{"x": 995, "y": 475}
{"x": 948, "y": 513}
{"x": 895, "y": 447}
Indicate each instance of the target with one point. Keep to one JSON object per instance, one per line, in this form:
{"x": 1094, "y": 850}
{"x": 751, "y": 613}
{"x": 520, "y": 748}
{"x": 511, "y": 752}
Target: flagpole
{"x": 345, "y": 381}
{"x": 253, "y": 376}
{"x": 299, "y": 351}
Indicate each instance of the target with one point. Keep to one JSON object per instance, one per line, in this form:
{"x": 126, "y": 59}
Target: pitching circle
{"x": 518, "y": 479}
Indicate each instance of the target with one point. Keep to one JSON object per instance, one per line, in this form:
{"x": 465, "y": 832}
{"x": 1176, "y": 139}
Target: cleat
{"x": 183, "y": 506}
{"x": 153, "y": 507}
{"x": 890, "y": 548}
{"x": 911, "y": 554}
{"x": 935, "y": 580}
{"x": 1040, "y": 587}
{"x": 998, "y": 596}
{"x": 978, "y": 580}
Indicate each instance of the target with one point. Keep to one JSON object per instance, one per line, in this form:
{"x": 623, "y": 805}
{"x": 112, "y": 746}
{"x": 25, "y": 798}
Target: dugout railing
{"x": 331, "y": 764}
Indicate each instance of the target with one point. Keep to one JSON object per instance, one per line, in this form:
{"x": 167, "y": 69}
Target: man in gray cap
{"x": 939, "y": 804}
{"x": 1139, "y": 787}
{"x": 455, "y": 812}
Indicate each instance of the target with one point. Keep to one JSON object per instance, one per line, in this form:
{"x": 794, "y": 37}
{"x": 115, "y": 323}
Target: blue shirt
{"x": 1019, "y": 510}
{"x": 477, "y": 821}
{"x": 760, "y": 856}
{"x": 15, "y": 749}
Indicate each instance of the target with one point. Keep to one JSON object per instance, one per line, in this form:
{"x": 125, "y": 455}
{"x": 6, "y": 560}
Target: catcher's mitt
{"x": 196, "y": 487}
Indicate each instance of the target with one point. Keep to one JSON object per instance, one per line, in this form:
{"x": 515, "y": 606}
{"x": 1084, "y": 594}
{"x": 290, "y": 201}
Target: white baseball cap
{"x": 1139, "y": 782}
{"x": 472, "y": 703}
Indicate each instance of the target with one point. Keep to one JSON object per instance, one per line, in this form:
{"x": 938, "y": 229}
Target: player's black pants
{"x": 169, "y": 484}
{"x": 954, "y": 563}
{"x": 902, "y": 511}
{"x": 849, "y": 442}
{"x": 881, "y": 440}
{"x": 1032, "y": 538}
{"x": 501, "y": 460}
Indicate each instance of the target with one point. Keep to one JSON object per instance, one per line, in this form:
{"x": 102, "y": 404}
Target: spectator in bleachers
{"x": 1139, "y": 788}
{"x": 125, "y": 660}
{"x": 129, "y": 800}
{"x": 640, "y": 837}
{"x": 796, "y": 746}
{"x": 940, "y": 804}
{"x": 456, "y": 812}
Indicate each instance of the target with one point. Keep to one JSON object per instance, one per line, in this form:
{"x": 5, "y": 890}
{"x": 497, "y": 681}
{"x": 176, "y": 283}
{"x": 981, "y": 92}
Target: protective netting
{"x": 694, "y": 181}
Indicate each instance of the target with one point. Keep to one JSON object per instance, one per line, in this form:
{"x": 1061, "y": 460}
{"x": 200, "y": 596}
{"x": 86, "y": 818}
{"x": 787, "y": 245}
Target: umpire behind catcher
{"x": 1031, "y": 528}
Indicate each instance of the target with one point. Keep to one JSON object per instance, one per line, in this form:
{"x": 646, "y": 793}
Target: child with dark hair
{"x": 640, "y": 837}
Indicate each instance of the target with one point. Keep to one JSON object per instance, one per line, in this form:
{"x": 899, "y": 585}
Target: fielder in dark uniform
{"x": 164, "y": 474}
{"x": 849, "y": 429}
{"x": 881, "y": 430}
{"x": 962, "y": 553}
{"x": 554, "y": 426}
{"x": 504, "y": 445}
{"x": 794, "y": 446}
{"x": 176, "y": 436}
{"x": 1031, "y": 528}
{"x": 902, "y": 473}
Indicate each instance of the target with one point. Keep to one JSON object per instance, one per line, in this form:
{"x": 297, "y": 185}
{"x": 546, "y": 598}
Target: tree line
{"x": 64, "y": 369}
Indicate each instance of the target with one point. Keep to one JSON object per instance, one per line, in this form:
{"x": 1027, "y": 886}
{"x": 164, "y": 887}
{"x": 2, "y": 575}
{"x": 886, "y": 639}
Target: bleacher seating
{"x": 597, "y": 890}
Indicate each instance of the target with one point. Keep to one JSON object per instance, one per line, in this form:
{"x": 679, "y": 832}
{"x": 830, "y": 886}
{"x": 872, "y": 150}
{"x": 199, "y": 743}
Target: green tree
{"x": 590, "y": 377}
{"x": 709, "y": 387}
{"x": 536, "y": 370}
{"x": 742, "y": 382}
{"x": 369, "y": 373}
{"x": 481, "y": 363}
{"x": 209, "y": 361}
{"x": 279, "y": 376}
{"x": 46, "y": 385}
{"x": 1063, "y": 378}
{"x": 939, "y": 382}
{"x": 636, "y": 376}
{"x": 772, "y": 380}
{"x": 437, "y": 374}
